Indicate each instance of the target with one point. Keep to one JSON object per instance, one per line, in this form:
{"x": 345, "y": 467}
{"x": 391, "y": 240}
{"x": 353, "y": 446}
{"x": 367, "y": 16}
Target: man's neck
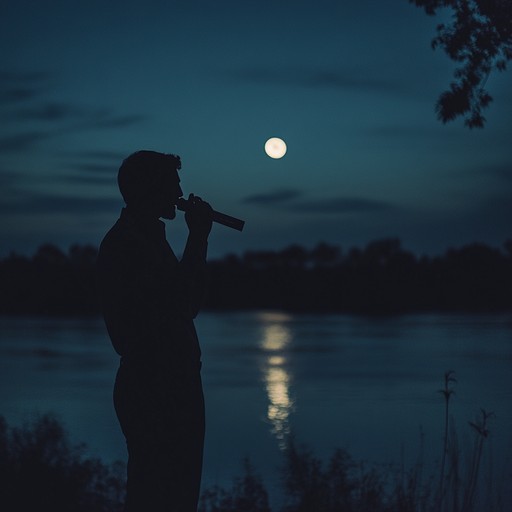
{"x": 142, "y": 215}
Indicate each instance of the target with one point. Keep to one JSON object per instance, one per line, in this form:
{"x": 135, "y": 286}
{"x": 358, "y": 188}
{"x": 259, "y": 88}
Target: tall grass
{"x": 340, "y": 484}
{"x": 447, "y": 392}
{"x": 480, "y": 427}
{"x": 41, "y": 471}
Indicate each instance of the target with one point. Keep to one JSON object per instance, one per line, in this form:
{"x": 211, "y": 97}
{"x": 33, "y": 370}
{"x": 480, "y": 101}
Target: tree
{"x": 325, "y": 255}
{"x": 479, "y": 39}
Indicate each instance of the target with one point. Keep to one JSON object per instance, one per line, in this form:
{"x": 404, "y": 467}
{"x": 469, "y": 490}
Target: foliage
{"x": 51, "y": 282}
{"x": 248, "y": 494}
{"x": 381, "y": 278}
{"x": 40, "y": 471}
{"x": 479, "y": 39}
{"x": 339, "y": 484}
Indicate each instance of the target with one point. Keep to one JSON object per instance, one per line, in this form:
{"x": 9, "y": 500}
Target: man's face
{"x": 168, "y": 195}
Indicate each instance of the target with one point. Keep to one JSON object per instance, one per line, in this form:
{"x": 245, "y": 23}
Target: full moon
{"x": 275, "y": 147}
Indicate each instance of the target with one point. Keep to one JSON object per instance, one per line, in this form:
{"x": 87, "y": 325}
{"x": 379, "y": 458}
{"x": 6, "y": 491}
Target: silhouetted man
{"x": 149, "y": 300}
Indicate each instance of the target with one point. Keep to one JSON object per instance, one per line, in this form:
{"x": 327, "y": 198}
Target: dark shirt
{"x": 149, "y": 298}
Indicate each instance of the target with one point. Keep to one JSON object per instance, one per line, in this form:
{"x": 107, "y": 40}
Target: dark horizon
{"x": 380, "y": 278}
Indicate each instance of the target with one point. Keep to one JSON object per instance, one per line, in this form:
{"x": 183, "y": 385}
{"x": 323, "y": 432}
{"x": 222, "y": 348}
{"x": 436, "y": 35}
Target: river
{"x": 367, "y": 384}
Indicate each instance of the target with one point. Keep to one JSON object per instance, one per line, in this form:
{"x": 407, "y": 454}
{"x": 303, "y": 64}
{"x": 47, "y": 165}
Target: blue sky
{"x": 350, "y": 87}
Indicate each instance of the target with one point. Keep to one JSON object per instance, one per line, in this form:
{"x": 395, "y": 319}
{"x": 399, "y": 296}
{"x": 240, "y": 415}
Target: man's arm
{"x": 193, "y": 262}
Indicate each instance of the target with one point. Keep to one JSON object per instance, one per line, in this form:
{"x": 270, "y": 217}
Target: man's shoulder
{"x": 124, "y": 230}
{"x": 120, "y": 236}
{"x": 115, "y": 234}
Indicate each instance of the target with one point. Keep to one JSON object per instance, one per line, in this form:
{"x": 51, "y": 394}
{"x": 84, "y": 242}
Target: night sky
{"x": 350, "y": 86}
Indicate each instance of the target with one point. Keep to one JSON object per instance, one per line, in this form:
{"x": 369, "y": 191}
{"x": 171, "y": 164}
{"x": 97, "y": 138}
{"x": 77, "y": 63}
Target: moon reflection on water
{"x": 276, "y": 336}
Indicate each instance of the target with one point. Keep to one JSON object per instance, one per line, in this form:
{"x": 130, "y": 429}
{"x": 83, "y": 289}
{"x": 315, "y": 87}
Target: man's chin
{"x": 169, "y": 214}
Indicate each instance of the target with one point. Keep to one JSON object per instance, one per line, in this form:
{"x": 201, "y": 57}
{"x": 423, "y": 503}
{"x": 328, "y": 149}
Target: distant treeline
{"x": 381, "y": 278}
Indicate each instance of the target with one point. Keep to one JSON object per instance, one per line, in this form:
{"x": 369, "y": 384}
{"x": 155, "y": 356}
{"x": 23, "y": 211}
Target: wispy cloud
{"x": 90, "y": 166}
{"x": 97, "y": 168}
{"x": 17, "y": 94}
{"x": 50, "y": 112}
{"x": 344, "y": 205}
{"x": 275, "y": 197}
{"x": 37, "y": 203}
{"x": 496, "y": 175}
{"x": 58, "y": 121}
{"x": 22, "y": 141}
{"x": 317, "y": 78}
{"x": 75, "y": 117}
{"x": 29, "y": 116}
{"x": 18, "y": 87}
{"x": 110, "y": 120}
{"x": 292, "y": 200}
{"x": 96, "y": 155}
{"x": 101, "y": 180}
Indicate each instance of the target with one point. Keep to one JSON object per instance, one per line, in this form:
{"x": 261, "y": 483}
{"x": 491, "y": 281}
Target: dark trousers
{"x": 162, "y": 418}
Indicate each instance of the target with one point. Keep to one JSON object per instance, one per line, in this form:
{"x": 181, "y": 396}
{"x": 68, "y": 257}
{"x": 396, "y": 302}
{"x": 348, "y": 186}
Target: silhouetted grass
{"x": 340, "y": 484}
{"x": 248, "y": 494}
{"x": 447, "y": 392}
{"x": 41, "y": 471}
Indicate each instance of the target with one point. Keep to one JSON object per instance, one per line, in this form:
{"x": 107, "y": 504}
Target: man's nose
{"x": 180, "y": 191}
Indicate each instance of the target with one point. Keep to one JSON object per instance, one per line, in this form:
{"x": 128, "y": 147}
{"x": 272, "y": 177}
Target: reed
{"x": 340, "y": 484}
{"x": 447, "y": 392}
{"x": 41, "y": 470}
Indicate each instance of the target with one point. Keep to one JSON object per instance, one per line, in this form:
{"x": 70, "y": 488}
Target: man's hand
{"x": 198, "y": 216}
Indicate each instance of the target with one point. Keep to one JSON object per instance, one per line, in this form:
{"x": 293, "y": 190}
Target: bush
{"x": 41, "y": 471}
{"x": 247, "y": 495}
{"x": 338, "y": 485}
{"x": 310, "y": 484}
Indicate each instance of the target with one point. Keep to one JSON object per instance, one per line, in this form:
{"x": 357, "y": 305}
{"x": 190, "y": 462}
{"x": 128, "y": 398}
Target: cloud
{"x": 275, "y": 197}
{"x": 95, "y": 168}
{"x": 97, "y": 155}
{"x": 99, "y": 179}
{"x": 110, "y": 120}
{"x": 37, "y": 203}
{"x": 497, "y": 176}
{"x": 17, "y": 94}
{"x": 89, "y": 166}
{"x": 401, "y": 131}
{"x": 317, "y": 78}
{"x": 17, "y": 87}
{"x": 60, "y": 204}
{"x": 24, "y": 107}
{"x": 344, "y": 205}
{"x": 82, "y": 118}
{"x": 23, "y": 141}
{"x": 51, "y": 112}
{"x": 62, "y": 120}
{"x": 286, "y": 199}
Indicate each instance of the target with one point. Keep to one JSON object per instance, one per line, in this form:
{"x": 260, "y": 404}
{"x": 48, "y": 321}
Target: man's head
{"x": 150, "y": 184}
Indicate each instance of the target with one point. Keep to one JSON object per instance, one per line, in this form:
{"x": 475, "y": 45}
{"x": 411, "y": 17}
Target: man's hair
{"x": 142, "y": 173}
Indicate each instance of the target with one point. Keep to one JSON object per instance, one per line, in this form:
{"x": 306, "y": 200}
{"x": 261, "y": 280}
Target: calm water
{"x": 367, "y": 385}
